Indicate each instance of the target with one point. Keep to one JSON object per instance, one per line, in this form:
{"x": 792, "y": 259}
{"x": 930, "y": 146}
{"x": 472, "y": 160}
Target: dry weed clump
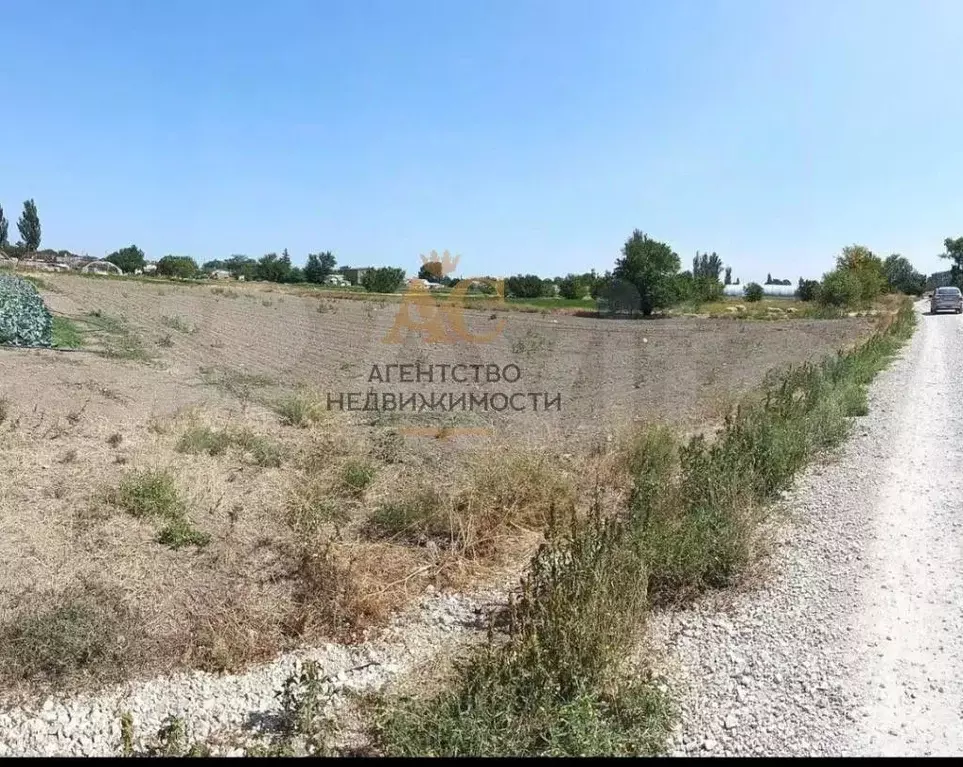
{"x": 62, "y": 637}
{"x": 339, "y": 590}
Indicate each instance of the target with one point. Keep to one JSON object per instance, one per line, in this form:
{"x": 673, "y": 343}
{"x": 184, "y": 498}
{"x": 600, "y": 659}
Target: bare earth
{"x": 79, "y": 421}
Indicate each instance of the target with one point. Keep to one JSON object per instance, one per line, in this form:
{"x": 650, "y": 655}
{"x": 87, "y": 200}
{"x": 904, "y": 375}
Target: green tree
{"x": 753, "y": 292}
{"x": 867, "y": 268}
{"x": 319, "y": 266}
{"x": 242, "y": 266}
{"x": 808, "y": 290}
{"x": 728, "y": 280}
{"x": 524, "y": 286}
{"x": 273, "y": 268}
{"x": 4, "y": 229}
{"x": 128, "y": 259}
{"x": 386, "y": 279}
{"x": 707, "y": 266}
{"x": 650, "y": 266}
{"x": 954, "y": 253}
{"x": 431, "y": 271}
{"x": 183, "y": 267}
{"x": 902, "y": 277}
{"x": 840, "y": 288}
{"x": 599, "y": 284}
{"x": 571, "y": 287}
{"x": 29, "y": 226}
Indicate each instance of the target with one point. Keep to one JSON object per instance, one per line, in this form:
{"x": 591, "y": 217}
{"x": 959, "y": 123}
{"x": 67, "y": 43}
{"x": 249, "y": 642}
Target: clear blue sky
{"x": 525, "y": 136}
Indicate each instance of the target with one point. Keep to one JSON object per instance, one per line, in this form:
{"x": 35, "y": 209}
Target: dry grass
{"x": 59, "y": 638}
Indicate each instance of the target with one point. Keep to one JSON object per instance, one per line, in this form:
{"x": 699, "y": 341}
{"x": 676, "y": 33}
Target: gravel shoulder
{"x": 230, "y": 711}
{"x": 849, "y": 647}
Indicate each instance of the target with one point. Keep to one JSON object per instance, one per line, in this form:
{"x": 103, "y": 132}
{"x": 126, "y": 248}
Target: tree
{"x": 769, "y": 279}
{"x": 183, "y": 267}
{"x": 599, "y": 284}
{"x": 650, "y": 266}
{"x": 386, "y": 279}
{"x": 241, "y": 266}
{"x": 706, "y": 266}
{"x": 128, "y": 259}
{"x": 954, "y": 253}
{"x": 753, "y": 292}
{"x": 319, "y": 266}
{"x": 867, "y": 268}
{"x": 524, "y": 286}
{"x": 902, "y": 277}
{"x": 431, "y": 271}
{"x": 728, "y": 280}
{"x": 571, "y": 287}
{"x": 808, "y": 290}
{"x": 4, "y": 229}
{"x": 273, "y": 268}
{"x": 840, "y": 288}
{"x": 29, "y": 226}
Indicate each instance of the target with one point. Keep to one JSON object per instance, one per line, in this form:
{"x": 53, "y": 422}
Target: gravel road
{"x": 853, "y": 645}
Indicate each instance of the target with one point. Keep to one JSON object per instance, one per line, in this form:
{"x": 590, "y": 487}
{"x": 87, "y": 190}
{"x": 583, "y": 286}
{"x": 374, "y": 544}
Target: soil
{"x": 79, "y": 421}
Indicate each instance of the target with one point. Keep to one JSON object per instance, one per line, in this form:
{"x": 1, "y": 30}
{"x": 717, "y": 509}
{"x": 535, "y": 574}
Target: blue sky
{"x": 524, "y": 136}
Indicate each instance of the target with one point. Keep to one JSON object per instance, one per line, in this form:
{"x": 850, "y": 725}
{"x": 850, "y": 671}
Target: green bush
{"x": 808, "y": 290}
{"x": 386, "y": 279}
{"x": 183, "y": 267}
{"x": 840, "y": 288}
{"x": 571, "y": 287}
{"x": 753, "y": 292}
{"x": 24, "y": 320}
{"x": 525, "y": 286}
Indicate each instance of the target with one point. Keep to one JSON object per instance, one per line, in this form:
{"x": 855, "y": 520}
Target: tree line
{"x": 652, "y": 270}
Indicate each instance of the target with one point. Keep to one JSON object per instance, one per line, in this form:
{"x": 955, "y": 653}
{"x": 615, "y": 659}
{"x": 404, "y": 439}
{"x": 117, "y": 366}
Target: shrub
{"x": 571, "y": 287}
{"x": 24, "y": 320}
{"x": 840, "y": 288}
{"x": 183, "y": 267}
{"x": 525, "y": 286}
{"x": 386, "y": 279}
{"x": 753, "y": 292}
{"x": 808, "y": 290}
{"x": 299, "y": 410}
{"x": 357, "y": 475}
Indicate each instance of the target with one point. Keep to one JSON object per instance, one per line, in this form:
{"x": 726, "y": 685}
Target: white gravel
{"x": 214, "y": 706}
{"x": 853, "y": 645}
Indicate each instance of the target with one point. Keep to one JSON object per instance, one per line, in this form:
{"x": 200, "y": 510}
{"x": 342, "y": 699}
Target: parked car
{"x": 946, "y": 300}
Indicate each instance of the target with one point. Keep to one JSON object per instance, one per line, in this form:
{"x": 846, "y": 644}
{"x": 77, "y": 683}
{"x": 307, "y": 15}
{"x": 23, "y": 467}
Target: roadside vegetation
{"x": 560, "y": 681}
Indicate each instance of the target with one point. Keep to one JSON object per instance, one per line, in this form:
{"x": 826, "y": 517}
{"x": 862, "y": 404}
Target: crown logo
{"x": 440, "y": 267}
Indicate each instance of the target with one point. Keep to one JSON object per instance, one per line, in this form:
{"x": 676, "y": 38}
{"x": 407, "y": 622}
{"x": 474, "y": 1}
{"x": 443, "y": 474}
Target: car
{"x": 946, "y": 299}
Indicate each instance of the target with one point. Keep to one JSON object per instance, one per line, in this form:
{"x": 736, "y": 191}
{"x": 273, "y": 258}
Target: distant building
{"x": 354, "y": 275}
{"x": 221, "y": 274}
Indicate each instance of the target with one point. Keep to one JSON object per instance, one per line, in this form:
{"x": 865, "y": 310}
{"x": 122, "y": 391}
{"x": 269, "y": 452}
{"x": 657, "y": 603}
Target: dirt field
{"x": 314, "y": 523}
